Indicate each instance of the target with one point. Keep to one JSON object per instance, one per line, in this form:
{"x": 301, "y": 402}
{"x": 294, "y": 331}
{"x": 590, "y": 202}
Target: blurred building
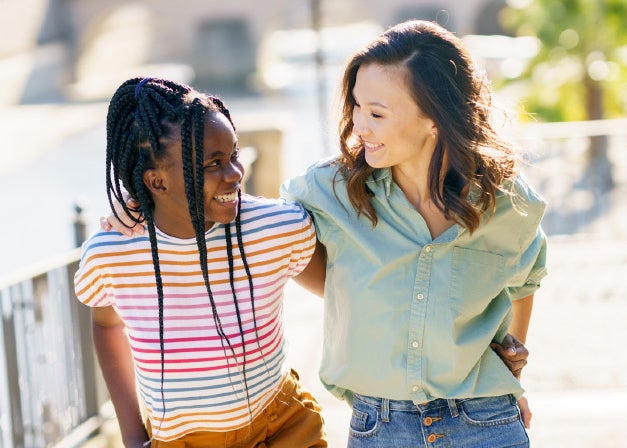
{"x": 56, "y": 50}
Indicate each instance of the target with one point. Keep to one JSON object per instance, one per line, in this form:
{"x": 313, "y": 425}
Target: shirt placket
{"x": 418, "y": 312}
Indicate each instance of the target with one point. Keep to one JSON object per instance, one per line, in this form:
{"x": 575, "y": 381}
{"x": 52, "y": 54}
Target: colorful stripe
{"x": 203, "y": 378}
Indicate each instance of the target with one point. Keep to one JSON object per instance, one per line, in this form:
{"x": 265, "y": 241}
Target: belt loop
{"x": 385, "y": 410}
{"x": 453, "y": 408}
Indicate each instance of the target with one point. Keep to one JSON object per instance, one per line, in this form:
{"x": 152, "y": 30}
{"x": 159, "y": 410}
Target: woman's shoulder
{"x": 324, "y": 169}
{"x": 518, "y": 198}
{"x": 260, "y": 205}
{"x": 520, "y": 187}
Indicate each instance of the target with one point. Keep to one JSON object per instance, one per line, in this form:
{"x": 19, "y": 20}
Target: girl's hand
{"x": 513, "y": 353}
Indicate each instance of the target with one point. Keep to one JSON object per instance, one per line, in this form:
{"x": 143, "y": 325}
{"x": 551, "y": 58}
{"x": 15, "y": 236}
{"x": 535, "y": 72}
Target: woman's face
{"x": 387, "y": 120}
{"x": 222, "y": 174}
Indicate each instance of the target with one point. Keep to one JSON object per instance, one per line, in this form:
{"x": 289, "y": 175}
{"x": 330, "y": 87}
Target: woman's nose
{"x": 359, "y": 126}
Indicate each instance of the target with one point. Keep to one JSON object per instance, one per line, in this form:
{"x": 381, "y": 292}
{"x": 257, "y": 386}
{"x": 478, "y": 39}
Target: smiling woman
{"x": 434, "y": 249}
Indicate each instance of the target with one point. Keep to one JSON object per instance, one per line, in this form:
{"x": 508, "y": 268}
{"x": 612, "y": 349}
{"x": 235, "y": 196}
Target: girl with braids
{"x": 187, "y": 321}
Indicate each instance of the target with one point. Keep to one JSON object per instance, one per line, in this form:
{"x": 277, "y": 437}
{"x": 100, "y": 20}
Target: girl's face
{"x": 223, "y": 174}
{"x": 387, "y": 120}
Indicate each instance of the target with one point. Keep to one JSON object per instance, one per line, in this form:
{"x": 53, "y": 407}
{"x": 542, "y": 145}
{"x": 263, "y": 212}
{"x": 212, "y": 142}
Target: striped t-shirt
{"x": 203, "y": 382}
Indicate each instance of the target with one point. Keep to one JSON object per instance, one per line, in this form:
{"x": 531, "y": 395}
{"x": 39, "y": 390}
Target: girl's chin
{"x": 223, "y": 215}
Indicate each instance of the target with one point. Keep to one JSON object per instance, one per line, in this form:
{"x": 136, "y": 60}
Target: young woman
{"x": 188, "y": 322}
{"x": 433, "y": 244}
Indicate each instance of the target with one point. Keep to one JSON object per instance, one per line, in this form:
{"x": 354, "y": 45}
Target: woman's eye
{"x": 212, "y": 164}
{"x": 373, "y": 115}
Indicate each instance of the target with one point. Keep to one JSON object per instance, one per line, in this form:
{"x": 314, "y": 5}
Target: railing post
{"x": 13, "y": 378}
{"x": 80, "y": 228}
{"x": 90, "y": 374}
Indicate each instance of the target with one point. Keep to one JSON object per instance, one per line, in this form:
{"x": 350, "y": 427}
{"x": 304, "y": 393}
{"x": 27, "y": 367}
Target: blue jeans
{"x": 491, "y": 422}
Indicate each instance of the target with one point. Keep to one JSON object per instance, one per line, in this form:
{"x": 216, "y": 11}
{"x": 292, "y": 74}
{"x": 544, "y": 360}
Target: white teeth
{"x": 372, "y": 145}
{"x": 226, "y": 197}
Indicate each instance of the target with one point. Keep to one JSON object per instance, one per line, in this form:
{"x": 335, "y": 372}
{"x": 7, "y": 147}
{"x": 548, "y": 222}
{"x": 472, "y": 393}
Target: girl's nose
{"x": 233, "y": 172}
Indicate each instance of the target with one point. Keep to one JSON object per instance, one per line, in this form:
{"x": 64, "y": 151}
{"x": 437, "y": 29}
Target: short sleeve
{"x": 305, "y": 240}
{"x": 88, "y": 280}
{"x": 530, "y": 267}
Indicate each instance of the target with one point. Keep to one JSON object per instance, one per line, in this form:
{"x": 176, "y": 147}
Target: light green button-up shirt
{"x": 408, "y": 317}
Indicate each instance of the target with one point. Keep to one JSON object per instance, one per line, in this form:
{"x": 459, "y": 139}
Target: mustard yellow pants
{"x": 291, "y": 420}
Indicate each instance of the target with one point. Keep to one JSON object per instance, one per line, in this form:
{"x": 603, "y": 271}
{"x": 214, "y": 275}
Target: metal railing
{"x": 50, "y": 385}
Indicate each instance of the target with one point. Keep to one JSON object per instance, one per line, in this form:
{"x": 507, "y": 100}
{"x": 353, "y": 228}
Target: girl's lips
{"x": 227, "y": 197}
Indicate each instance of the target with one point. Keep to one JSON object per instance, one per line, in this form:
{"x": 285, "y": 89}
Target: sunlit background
{"x": 559, "y": 71}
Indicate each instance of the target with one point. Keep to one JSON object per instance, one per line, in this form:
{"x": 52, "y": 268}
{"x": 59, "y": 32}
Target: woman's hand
{"x": 525, "y": 412}
{"x": 126, "y": 226}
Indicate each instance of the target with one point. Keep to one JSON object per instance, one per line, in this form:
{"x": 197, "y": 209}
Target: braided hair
{"x": 143, "y": 114}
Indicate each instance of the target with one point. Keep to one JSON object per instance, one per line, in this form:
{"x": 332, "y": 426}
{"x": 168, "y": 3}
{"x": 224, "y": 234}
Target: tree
{"x": 582, "y": 63}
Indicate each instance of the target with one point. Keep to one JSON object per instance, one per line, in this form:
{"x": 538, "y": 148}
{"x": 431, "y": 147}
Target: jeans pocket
{"x": 365, "y": 420}
{"x": 490, "y": 411}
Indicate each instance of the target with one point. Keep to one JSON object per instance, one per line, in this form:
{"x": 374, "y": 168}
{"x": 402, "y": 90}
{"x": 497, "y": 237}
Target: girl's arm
{"x": 116, "y": 363}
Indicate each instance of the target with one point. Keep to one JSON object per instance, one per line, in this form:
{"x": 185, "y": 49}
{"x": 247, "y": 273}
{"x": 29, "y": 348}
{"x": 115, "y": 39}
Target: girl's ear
{"x": 153, "y": 181}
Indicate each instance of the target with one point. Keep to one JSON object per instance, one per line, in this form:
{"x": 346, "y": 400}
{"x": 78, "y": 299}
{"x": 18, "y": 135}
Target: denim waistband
{"x": 385, "y": 405}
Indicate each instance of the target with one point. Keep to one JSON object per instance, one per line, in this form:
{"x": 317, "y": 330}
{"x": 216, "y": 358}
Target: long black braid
{"x": 142, "y": 113}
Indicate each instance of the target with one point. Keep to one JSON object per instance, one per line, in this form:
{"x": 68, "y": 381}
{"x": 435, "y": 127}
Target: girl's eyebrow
{"x": 220, "y": 153}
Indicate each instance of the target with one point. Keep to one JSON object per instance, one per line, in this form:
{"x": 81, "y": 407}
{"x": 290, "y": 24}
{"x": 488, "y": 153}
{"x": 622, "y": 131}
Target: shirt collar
{"x": 380, "y": 180}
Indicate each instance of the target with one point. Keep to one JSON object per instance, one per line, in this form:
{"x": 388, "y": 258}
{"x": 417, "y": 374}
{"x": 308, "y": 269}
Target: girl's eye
{"x": 235, "y": 155}
{"x": 373, "y": 115}
{"x": 212, "y": 164}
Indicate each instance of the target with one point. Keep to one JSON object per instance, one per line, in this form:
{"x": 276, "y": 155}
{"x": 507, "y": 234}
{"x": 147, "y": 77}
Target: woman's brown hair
{"x": 449, "y": 89}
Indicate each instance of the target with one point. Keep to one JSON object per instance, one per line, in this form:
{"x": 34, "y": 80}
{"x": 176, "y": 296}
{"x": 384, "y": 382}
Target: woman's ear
{"x": 153, "y": 181}
{"x": 434, "y": 131}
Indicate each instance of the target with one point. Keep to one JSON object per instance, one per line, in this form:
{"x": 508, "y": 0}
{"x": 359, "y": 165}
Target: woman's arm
{"x": 116, "y": 363}
{"x": 513, "y": 351}
{"x": 313, "y": 276}
{"x": 521, "y": 313}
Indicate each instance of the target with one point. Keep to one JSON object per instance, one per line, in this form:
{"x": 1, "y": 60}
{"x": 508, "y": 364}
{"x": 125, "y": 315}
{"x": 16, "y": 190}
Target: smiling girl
{"x": 188, "y": 321}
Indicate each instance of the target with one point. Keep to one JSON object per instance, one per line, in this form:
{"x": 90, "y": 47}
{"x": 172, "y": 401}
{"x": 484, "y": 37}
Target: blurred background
{"x": 559, "y": 71}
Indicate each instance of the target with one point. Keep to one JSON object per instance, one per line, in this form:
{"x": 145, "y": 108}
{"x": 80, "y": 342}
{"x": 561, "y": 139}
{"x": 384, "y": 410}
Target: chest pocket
{"x": 476, "y": 279}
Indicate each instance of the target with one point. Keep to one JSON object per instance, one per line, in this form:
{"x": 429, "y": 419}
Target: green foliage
{"x": 582, "y": 62}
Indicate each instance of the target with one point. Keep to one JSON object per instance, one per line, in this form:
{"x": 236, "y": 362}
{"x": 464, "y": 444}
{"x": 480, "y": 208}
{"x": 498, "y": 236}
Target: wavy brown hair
{"x": 450, "y": 90}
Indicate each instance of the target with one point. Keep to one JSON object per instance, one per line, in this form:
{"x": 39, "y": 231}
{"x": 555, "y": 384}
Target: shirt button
{"x": 420, "y": 296}
{"x": 431, "y": 438}
{"x": 415, "y": 344}
{"x": 414, "y": 389}
{"x": 428, "y": 249}
{"x": 428, "y": 421}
